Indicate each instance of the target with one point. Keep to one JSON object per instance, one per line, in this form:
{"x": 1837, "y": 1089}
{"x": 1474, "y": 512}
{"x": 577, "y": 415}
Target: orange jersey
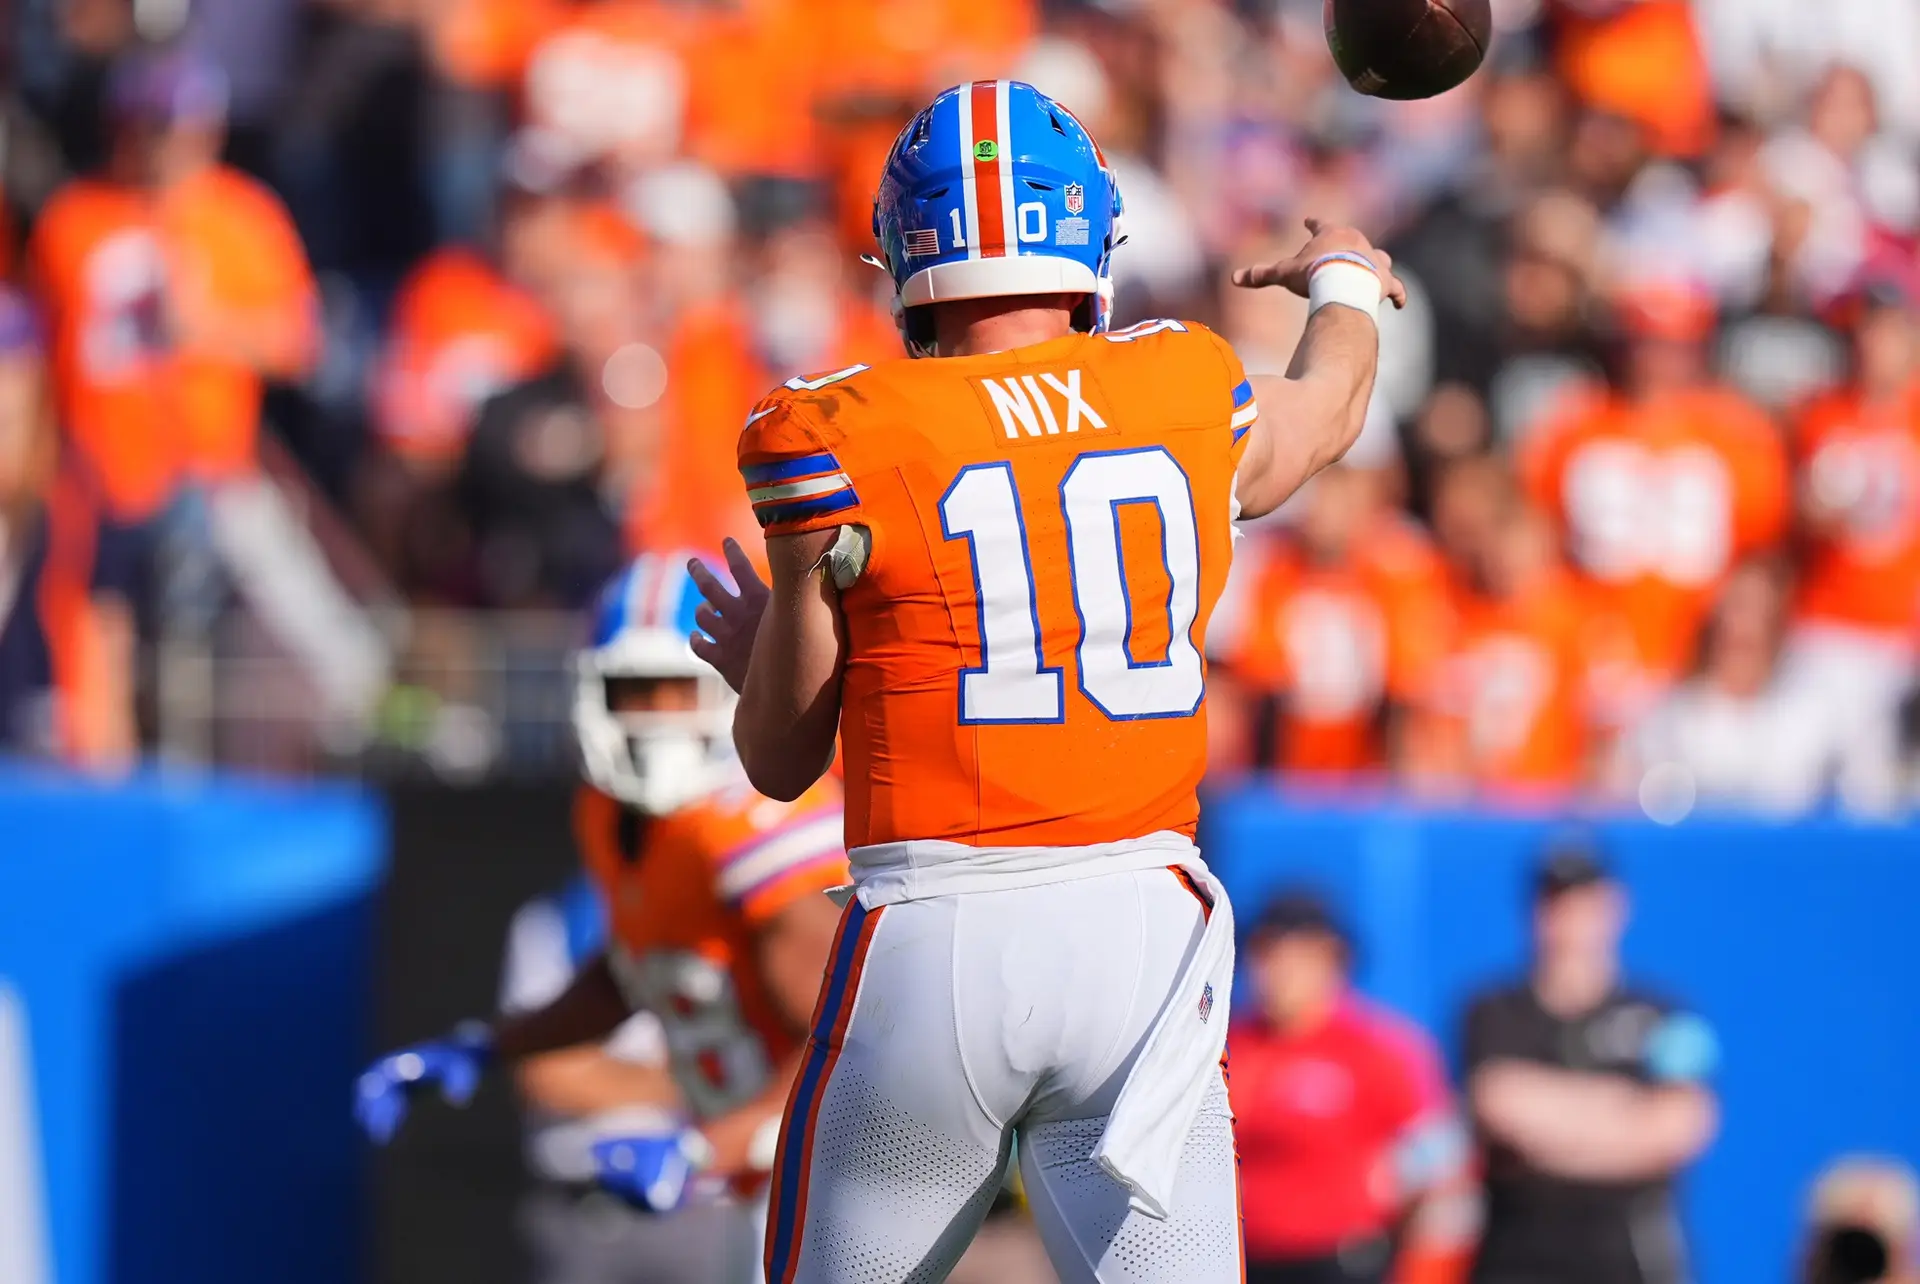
{"x": 1511, "y": 690}
{"x": 646, "y": 81}
{"x": 133, "y": 282}
{"x": 1338, "y": 640}
{"x": 685, "y": 895}
{"x": 101, "y": 270}
{"x": 461, "y": 332}
{"x": 1863, "y": 464}
{"x": 1050, "y": 530}
{"x": 1656, "y": 503}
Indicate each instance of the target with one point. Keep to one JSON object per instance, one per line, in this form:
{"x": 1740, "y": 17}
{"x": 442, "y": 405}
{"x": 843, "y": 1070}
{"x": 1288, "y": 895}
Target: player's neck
{"x": 974, "y": 327}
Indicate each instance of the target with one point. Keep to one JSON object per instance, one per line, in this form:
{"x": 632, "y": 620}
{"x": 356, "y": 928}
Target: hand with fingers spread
{"x": 728, "y": 620}
{"x": 1328, "y": 244}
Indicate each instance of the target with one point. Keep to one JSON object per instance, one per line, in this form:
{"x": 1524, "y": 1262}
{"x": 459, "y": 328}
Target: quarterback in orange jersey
{"x": 1659, "y": 488}
{"x": 718, "y": 924}
{"x": 992, "y": 571}
{"x": 1340, "y": 624}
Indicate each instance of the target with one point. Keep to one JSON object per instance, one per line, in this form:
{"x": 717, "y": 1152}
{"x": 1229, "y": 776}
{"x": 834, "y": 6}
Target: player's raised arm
{"x": 1310, "y": 417}
{"x": 782, "y": 648}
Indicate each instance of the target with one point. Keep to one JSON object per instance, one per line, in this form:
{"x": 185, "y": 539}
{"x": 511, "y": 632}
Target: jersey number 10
{"x": 1013, "y": 683}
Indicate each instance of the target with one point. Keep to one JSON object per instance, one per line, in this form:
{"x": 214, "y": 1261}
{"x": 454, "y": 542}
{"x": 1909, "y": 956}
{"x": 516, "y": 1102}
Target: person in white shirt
{"x": 1743, "y": 734}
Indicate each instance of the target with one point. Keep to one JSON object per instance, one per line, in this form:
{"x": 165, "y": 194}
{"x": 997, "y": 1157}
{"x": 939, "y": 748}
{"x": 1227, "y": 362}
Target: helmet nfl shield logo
{"x": 1075, "y": 196}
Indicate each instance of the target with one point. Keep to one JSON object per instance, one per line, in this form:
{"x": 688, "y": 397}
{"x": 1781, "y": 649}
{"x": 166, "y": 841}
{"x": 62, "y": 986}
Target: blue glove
{"x": 652, "y": 1171}
{"x": 454, "y": 1064}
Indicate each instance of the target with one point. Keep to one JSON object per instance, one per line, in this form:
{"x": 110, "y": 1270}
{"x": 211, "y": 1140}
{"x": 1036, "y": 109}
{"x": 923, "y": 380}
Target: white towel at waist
{"x": 1147, "y": 1131}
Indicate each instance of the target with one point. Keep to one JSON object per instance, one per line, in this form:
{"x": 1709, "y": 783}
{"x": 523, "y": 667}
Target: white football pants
{"x": 953, "y": 1031}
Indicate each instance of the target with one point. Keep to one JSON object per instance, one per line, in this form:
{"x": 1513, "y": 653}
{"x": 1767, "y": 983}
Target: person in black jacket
{"x": 1589, "y": 1098}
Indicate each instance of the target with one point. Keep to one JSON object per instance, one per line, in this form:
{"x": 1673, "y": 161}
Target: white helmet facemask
{"x": 656, "y": 762}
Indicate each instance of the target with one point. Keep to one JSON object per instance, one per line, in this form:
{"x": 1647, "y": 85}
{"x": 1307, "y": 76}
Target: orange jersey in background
{"x": 647, "y": 81}
{"x": 973, "y": 709}
{"x": 1510, "y": 694}
{"x": 101, "y": 271}
{"x": 1337, "y": 640}
{"x": 685, "y": 895}
{"x": 1864, "y": 464}
{"x": 1656, "y": 503}
{"x": 460, "y": 333}
{"x": 135, "y": 284}
{"x": 234, "y": 260}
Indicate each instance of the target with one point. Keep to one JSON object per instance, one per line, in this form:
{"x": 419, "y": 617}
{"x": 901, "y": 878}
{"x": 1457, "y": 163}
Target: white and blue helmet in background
{"x": 993, "y": 190}
{"x": 657, "y": 762}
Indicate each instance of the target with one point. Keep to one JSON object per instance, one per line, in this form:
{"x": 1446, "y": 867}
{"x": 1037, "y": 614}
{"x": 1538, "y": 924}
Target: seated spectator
{"x": 1589, "y": 1096}
{"x": 1742, "y": 733}
{"x": 1336, "y": 626}
{"x": 539, "y": 485}
{"x": 1350, "y": 1153}
{"x": 465, "y": 325}
{"x": 67, "y": 580}
{"x": 1506, "y": 706}
{"x": 1863, "y": 1224}
{"x": 1658, "y": 486}
{"x": 1857, "y": 612}
{"x": 177, "y": 287}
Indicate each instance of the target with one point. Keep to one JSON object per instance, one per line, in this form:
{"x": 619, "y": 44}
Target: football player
{"x": 992, "y": 571}
{"x": 718, "y": 925}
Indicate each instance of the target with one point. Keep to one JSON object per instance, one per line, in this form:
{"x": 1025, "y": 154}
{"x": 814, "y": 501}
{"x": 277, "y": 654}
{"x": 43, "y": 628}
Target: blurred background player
{"x": 1589, "y": 1096}
{"x": 574, "y": 1231}
{"x": 715, "y": 924}
{"x": 1023, "y": 845}
{"x": 1353, "y": 1163}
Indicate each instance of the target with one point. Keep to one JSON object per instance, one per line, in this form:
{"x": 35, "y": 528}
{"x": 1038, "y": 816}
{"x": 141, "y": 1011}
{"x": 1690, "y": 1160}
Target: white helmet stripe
{"x": 969, "y": 186}
{"x": 1008, "y": 198}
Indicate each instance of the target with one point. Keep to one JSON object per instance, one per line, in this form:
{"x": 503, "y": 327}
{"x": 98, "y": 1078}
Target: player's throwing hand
{"x": 727, "y": 621}
{"x": 1295, "y": 272}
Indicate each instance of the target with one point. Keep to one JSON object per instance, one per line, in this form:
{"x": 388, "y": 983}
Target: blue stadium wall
{"x": 187, "y": 976}
{"x": 1800, "y": 944}
{"x": 185, "y": 972}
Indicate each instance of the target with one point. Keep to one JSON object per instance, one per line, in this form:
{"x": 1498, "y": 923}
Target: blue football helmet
{"x": 656, "y": 761}
{"x": 995, "y": 189}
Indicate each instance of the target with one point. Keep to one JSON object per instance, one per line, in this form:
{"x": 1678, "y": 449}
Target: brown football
{"x": 1407, "y": 48}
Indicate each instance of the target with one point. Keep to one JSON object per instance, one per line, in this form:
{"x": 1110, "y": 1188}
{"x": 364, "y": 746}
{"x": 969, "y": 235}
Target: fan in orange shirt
{"x": 1659, "y": 486}
{"x": 176, "y": 286}
{"x": 1506, "y": 707}
{"x": 640, "y": 82}
{"x": 465, "y": 326}
{"x": 1859, "y": 451}
{"x": 1857, "y": 618}
{"x": 1338, "y": 625}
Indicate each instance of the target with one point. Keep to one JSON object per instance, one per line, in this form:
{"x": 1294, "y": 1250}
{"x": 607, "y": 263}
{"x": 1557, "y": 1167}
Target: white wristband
{"x": 1345, "y": 279}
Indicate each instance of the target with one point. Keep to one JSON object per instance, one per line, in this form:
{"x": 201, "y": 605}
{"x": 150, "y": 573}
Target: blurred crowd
{"x": 1637, "y": 512}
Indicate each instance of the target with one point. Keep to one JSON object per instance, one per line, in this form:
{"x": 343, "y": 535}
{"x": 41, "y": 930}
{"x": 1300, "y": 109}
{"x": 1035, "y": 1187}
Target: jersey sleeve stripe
{"x": 810, "y": 842}
{"x": 1243, "y": 395}
{"x": 800, "y": 489}
{"x": 788, "y": 469}
{"x": 805, "y": 509}
{"x": 1244, "y": 416}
